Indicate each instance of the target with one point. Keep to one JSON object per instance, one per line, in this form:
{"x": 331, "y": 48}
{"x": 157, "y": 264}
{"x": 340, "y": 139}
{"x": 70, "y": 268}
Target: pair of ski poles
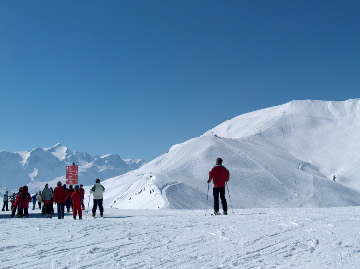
{"x": 87, "y": 209}
{"x": 207, "y": 198}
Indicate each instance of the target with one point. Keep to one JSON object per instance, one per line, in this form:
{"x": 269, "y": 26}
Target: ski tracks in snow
{"x": 252, "y": 238}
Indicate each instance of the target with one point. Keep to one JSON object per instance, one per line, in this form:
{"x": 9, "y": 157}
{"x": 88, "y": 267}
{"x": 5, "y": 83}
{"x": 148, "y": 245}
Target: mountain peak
{"x": 18, "y": 169}
{"x": 57, "y": 145}
{"x": 256, "y": 122}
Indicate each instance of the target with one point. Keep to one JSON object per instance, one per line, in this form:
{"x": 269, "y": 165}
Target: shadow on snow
{"x": 40, "y": 216}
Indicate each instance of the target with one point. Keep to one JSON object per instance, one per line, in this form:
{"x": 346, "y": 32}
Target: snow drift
{"x": 283, "y": 156}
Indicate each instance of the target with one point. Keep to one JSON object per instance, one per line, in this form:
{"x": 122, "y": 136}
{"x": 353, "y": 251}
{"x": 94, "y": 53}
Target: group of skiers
{"x": 61, "y": 195}
{"x": 19, "y": 202}
{"x": 74, "y": 197}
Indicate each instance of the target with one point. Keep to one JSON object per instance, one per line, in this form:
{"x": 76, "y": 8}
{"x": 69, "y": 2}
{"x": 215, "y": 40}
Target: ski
{"x": 218, "y": 214}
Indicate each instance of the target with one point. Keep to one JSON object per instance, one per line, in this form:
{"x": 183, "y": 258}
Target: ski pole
{"x": 207, "y": 199}
{"x": 229, "y": 198}
{"x": 87, "y": 211}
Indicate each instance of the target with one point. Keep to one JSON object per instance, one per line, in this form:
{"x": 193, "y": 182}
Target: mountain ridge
{"x": 283, "y": 156}
{"x": 40, "y": 165}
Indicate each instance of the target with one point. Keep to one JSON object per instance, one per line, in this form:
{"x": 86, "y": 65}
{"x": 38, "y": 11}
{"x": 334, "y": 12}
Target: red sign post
{"x": 72, "y": 175}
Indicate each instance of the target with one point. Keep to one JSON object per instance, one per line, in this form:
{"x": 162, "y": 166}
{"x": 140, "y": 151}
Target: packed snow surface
{"x": 249, "y": 238}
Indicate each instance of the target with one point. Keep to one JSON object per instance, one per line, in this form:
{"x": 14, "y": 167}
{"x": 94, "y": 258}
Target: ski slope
{"x": 283, "y": 156}
{"x": 250, "y": 238}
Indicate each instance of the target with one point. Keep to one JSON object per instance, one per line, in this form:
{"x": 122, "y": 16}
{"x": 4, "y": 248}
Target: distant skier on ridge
{"x": 220, "y": 175}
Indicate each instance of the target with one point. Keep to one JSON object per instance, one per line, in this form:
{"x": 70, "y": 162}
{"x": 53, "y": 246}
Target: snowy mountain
{"x": 34, "y": 167}
{"x": 283, "y": 156}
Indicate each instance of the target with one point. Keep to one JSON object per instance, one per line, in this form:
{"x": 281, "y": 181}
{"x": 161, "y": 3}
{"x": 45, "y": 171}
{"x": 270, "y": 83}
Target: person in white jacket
{"x": 47, "y": 197}
{"x": 6, "y": 201}
{"x": 97, "y": 190}
{"x": 39, "y": 200}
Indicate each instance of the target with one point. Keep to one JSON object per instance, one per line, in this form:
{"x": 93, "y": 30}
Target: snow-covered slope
{"x": 34, "y": 167}
{"x": 324, "y": 135}
{"x": 283, "y": 156}
{"x": 183, "y": 239}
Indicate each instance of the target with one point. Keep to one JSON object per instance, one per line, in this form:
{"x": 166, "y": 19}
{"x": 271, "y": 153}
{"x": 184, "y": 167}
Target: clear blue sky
{"x": 135, "y": 77}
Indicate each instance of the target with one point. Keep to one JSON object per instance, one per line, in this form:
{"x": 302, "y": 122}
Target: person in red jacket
{"x": 60, "y": 196}
{"x": 23, "y": 203}
{"x": 70, "y": 204}
{"x": 76, "y": 199}
{"x": 15, "y": 204}
{"x": 82, "y": 196}
{"x": 220, "y": 175}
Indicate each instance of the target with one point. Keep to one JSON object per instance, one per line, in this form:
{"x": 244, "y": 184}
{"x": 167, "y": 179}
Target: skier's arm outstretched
{"x": 210, "y": 177}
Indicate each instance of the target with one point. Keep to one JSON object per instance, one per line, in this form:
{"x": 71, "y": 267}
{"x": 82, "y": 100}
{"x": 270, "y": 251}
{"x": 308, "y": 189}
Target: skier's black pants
{"x": 6, "y": 204}
{"x": 13, "y": 212}
{"x": 48, "y": 207}
{"x": 216, "y": 193}
{"x": 23, "y": 212}
{"x": 39, "y": 205}
{"x": 68, "y": 204}
{"x": 60, "y": 210}
{"x": 52, "y": 206}
{"x": 98, "y": 202}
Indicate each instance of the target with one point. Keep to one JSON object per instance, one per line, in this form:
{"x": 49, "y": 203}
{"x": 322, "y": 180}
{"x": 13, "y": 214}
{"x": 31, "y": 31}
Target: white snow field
{"x": 250, "y": 238}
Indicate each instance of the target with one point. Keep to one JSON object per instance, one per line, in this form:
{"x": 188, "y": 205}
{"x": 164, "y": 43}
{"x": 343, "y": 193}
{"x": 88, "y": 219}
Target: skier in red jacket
{"x": 23, "y": 203}
{"x": 15, "y": 204}
{"x": 82, "y": 196}
{"x": 60, "y": 196}
{"x": 76, "y": 198}
{"x": 220, "y": 175}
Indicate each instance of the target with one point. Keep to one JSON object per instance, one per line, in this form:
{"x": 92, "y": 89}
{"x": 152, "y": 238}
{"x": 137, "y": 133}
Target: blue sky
{"x": 136, "y": 77}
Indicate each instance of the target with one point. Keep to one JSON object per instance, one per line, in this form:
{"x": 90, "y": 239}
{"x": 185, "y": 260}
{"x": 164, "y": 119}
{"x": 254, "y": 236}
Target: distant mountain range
{"x": 47, "y": 165}
{"x": 282, "y": 156}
